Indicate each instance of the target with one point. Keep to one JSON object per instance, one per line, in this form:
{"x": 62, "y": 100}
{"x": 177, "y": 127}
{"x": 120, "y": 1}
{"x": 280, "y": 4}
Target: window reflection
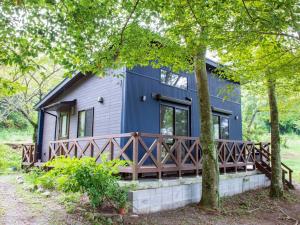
{"x": 221, "y": 127}
{"x": 173, "y": 79}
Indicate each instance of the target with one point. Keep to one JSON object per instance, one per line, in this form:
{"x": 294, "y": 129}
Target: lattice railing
{"x": 156, "y": 153}
{"x": 28, "y": 154}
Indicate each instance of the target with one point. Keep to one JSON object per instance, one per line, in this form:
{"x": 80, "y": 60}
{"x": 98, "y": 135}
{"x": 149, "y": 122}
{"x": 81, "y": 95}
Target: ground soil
{"x": 18, "y": 206}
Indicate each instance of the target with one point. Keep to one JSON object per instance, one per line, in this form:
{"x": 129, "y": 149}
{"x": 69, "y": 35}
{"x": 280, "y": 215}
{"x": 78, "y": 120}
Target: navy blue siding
{"x": 40, "y": 131}
{"x": 145, "y": 116}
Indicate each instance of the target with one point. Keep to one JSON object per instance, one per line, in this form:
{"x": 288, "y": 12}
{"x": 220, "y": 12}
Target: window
{"x": 85, "y": 123}
{"x": 224, "y": 128}
{"x": 173, "y": 79}
{"x": 64, "y": 125}
{"x": 216, "y": 127}
{"x": 167, "y": 120}
{"x": 174, "y": 120}
{"x": 221, "y": 127}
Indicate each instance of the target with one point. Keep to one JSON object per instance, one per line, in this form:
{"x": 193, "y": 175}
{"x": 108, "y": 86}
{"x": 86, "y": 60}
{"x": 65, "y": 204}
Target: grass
{"x": 15, "y": 135}
{"x": 10, "y": 159}
{"x": 291, "y": 154}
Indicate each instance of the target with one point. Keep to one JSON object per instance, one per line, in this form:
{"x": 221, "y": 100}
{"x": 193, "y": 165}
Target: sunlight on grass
{"x": 291, "y": 155}
{"x": 14, "y": 135}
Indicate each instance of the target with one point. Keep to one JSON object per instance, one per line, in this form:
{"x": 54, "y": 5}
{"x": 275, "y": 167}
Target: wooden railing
{"x": 156, "y": 153}
{"x": 264, "y": 163}
{"x": 28, "y": 154}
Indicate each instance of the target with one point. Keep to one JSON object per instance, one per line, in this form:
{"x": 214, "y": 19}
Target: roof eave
{"x": 55, "y": 91}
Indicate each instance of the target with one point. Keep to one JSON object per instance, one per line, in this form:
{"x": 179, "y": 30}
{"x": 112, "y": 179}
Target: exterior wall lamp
{"x": 100, "y": 100}
{"x": 143, "y": 98}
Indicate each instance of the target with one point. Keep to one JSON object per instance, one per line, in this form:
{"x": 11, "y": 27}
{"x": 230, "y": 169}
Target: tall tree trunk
{"x": 33, "y": 124}
{"x": 210, "y": 168}
{"x": 34, "y": 135}
{"x": 276, "y": 190}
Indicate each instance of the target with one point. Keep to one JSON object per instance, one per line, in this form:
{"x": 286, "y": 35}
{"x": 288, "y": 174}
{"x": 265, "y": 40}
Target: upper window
{"x": 64, "y": 125}
{"x": 173, "y": 79}
{"x": 85, "y": 123}
{"x": 221, "y": 127}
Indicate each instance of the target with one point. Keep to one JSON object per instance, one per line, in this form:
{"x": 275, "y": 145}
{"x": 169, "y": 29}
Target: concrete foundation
{"x": 148, "y": 196}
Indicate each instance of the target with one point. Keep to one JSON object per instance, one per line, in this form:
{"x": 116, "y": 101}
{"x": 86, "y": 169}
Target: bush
{"x": 84, "y": 175}
{"x": 9, "y": 158}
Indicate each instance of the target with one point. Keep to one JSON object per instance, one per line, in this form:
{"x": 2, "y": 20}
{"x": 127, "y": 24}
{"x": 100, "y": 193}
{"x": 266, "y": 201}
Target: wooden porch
{"x": 156, "y": 155}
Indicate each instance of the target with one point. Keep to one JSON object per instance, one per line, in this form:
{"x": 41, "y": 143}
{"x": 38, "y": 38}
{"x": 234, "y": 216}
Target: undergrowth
{"x": 73, "y": 175}
{"x": 10, "y": 159}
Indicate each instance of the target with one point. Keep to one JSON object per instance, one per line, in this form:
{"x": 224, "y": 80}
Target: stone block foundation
{"x": 148, "y": 196}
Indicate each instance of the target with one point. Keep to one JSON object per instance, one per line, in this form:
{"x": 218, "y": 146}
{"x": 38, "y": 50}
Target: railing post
{"x": 92, "y": 148}
{"x": 35, "y": 152}
{"x": 197, "y": 157}
{"x": 111, "y": 149}
{"x": 135, "y": 156}
{"x": 75, "y": 149}
{"x": 224, "y": 156}
{"x": 261, "y": 150}
{"x": 30, "y": 154}
{"x": 178, "y": 149}
{"x": 23, "y": 153}
{"x": 159, "y": 146}
{"x": 253, "y": 152}
{"x": 234, "y": 156}
{"x": 49, "y": 155}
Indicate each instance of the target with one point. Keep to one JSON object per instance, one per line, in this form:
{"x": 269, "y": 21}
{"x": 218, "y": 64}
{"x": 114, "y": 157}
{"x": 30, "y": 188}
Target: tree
{"x": 92, "y": 36}
{"x": 272, "y": 55}
{"x": 273, "y": 64}
{"x": 30, "y": 89}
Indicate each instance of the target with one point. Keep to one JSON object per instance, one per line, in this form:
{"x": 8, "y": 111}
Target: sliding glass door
{"x": 174, "y": 120}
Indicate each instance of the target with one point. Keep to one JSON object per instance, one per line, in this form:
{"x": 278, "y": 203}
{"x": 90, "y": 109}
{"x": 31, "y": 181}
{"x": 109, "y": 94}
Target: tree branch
{"x": 247, "y": 10}
{"x": 34, "y": 124}
{"x": 127, "y": 21}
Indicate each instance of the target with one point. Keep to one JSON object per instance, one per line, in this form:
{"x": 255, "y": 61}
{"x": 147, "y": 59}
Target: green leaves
{"x": 91, "y": 36}
{"x": 99, "y": 181}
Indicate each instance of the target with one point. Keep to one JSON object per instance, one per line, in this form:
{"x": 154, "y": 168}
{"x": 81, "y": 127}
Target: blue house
{"x": 144, "y": 99}
{"x": 149, "y": 117}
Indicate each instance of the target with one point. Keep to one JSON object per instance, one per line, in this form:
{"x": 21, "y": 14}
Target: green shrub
{"x": 9, "y": 158}
{"x": 84, "y": 175}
